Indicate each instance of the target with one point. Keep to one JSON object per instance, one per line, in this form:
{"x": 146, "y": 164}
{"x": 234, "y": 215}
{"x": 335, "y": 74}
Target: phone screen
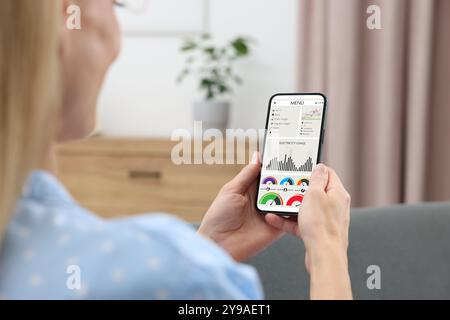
{"x": 295, "y": 131}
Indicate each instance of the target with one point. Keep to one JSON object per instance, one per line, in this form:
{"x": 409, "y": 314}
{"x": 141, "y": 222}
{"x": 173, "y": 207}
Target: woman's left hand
{"x": 233, "y": 222}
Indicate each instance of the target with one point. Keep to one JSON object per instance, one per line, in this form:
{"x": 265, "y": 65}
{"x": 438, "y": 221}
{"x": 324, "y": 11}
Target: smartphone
{"x": 295, "y": 131}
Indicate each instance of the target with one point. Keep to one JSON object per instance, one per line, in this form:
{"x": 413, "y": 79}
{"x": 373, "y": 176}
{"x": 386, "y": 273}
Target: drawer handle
{"x": 142, "y": 174}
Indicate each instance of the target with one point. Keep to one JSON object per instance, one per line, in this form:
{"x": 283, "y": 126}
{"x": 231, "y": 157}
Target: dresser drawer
{"x": 116, "y": 182}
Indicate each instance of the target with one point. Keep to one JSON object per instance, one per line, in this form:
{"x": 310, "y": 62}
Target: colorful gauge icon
{"x": 303, "y": 182}
{"x": 295, "y": 201}
{"x": 270, "y": 180}
{"x": 271, "y": 199}
{"x": 287, "y": 182}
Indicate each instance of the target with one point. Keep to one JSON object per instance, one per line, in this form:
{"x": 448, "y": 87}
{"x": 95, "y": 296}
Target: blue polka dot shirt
{"x": 55, "y": 249}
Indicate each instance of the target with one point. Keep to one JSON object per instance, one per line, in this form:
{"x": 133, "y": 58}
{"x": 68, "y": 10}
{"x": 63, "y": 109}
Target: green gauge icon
{"x": 271, "y": 199}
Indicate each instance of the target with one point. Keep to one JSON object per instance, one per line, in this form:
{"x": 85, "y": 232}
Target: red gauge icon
{"x": 295, "y": 201}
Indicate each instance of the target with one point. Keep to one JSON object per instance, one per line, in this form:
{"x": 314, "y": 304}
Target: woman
{"x": 54, "y": 249}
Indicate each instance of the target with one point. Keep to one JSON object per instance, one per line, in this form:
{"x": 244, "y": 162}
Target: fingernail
{"x": 320, "y": 169}
{"x": 255, "y": 158}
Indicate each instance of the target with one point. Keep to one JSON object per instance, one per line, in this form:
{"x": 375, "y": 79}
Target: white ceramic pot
{"x": 213, "y": 114}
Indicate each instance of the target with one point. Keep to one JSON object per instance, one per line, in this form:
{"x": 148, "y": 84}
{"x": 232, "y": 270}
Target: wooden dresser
{"x": 119, "y": 177}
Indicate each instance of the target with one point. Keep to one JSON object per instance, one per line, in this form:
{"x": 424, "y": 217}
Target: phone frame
{"x": 319, "y": 153}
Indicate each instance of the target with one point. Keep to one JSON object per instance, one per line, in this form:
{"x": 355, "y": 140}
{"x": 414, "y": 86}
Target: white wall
{"x": 141, "y": 98}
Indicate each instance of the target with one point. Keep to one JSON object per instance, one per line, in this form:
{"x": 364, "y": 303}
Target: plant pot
{"x": 213, "y": 114}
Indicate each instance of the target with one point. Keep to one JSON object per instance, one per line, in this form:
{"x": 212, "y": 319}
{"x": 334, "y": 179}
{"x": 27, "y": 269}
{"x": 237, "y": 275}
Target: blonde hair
{"x": 29, "y": 75}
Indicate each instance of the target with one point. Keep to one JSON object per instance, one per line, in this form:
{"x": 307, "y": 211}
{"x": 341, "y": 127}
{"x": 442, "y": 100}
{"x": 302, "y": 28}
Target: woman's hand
{"x": 323, "y": 225}
{"x": 233, "y": 222}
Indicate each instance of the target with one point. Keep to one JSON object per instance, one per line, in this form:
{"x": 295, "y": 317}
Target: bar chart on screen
{"x": 288, "y": 164}
{"x": 291, "y": 155}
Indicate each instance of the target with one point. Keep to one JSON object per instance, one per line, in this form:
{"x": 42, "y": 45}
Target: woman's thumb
{"x": 248, "y": 175}
{"x": 319, "y": 177}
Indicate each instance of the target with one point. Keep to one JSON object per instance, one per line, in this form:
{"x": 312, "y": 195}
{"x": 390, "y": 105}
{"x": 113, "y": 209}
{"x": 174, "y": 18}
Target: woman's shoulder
{"x": 152, "y": 256}
{"x": 148, "y": 256}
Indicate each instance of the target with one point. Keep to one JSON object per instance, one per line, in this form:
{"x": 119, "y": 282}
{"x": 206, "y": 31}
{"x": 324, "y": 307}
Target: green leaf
{"x": 188, "y": 46}
{"x": 214, "y": 65}
{"x": 206, "y": 83}
{"x": 240, "y": 47}
{"x": 223, "y": 88}
{"x": 183, "y": 75}
{"x": 211, "y": 51}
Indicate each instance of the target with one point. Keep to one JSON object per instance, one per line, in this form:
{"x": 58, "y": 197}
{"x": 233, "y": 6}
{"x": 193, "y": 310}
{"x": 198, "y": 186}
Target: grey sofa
{"x": 410, "y": 244}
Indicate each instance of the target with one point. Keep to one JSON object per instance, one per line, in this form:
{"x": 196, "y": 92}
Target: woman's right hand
{"x": 323, "y": 225}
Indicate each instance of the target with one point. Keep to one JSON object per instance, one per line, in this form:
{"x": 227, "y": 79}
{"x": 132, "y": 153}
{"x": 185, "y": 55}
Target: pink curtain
{"x": 388, "y": 133}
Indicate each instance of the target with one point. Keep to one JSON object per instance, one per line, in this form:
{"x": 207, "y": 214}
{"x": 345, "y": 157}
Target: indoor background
{"x": 388, "y": 90}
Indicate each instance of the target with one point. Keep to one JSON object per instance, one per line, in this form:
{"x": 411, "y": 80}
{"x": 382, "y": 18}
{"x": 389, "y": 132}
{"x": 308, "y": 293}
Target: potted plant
{"x": 214, "y": 67}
